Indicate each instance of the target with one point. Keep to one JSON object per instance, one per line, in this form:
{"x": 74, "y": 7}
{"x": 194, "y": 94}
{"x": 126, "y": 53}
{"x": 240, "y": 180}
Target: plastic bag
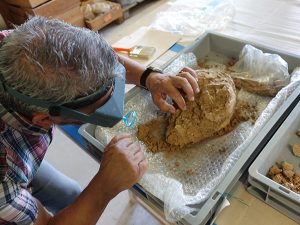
{"x": 192, "y": 18}
{"x": 262, "y": 67}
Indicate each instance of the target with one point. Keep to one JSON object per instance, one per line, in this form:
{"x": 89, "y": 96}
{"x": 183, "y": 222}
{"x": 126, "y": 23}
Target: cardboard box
{"x": 73, "y": 16}
{"x": 50, "y": 8}
{"x": 26, "y": 3}
{"x": 69, "y": 11}
{"x": 104, "y": 19}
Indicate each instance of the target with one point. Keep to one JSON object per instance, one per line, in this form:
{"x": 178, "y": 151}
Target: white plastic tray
{"x": 277, "y": 150}
{"x": 212, "y": 42}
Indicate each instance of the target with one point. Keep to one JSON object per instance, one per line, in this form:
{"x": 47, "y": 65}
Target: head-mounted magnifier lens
{"x": 110, "y": 113}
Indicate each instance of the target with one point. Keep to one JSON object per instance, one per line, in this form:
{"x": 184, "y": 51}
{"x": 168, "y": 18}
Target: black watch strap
{"x": 145, "y": 75}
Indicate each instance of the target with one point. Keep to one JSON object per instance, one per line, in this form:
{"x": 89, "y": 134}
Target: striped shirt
{"x": 22, "y": 149}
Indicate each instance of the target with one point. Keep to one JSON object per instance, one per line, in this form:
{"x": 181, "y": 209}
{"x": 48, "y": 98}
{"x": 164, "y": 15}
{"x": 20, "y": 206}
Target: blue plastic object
{"x": 129, "y": 119}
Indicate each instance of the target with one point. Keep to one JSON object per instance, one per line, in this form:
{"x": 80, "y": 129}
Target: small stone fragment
{"x": 296, "y": 150}
{"x": 287, "y": 166}
{"x": 274, "y": 170}
{"x": 285, "y": 175}
{"x": 288, "y": 173}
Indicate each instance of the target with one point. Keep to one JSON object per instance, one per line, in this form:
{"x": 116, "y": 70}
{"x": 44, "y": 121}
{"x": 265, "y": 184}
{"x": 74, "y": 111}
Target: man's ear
{"x": 42, "y": 120}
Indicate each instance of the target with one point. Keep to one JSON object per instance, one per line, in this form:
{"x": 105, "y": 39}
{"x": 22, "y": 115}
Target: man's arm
{"x": 122, "y": 165}
{"x": 134, "y": 70}
{"x": 162, "y": 85}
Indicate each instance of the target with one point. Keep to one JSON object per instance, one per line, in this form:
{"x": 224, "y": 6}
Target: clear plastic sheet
{"x": 192, "y": 18}
{"x": 181, "y": 179}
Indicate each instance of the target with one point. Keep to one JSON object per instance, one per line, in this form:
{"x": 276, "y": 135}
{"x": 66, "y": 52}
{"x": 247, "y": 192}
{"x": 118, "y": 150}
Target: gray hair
{"x": 52, "y": 60}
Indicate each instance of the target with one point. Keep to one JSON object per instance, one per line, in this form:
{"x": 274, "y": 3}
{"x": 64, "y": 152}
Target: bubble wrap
{"x": 190, "y": 175}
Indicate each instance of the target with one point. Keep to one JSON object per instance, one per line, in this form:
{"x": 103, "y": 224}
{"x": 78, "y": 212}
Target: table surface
{"x": 269, "y": 22}
{"x": 254, "y": 211}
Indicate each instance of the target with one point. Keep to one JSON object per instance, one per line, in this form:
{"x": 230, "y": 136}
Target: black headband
{"x": 87, "y": 100}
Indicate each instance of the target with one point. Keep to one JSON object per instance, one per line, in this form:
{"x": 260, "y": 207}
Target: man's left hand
{"x": 162, "y": 85}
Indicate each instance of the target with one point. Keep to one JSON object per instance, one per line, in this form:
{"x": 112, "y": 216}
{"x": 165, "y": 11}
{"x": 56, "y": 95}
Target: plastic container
{"x": 278, "y": 150}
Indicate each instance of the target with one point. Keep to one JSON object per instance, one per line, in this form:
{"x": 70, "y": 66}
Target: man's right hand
{"x": 123, "y": 164}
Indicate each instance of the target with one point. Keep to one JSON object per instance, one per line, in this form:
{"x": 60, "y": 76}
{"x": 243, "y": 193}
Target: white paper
{"x": 161, "y": 40}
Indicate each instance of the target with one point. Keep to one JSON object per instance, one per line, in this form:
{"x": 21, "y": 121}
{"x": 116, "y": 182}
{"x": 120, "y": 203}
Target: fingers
{"x": 143, "y": 166}
{"x": 139, "y": 159}
{"x": 134, "y": 148}
{"x": 184, "y": 84}
{"x": 192, "y": 81}
{"x": 118, "y": 137}
{"x": 139, "y": 156}
{"x": 190, "y": 71}
{"x": 174, "y": 93}
{"x": 162, "y": 104}
{"x": 177, "y": 97}
{"x": 128, "y": 146}
{"x": 172, "y": 86}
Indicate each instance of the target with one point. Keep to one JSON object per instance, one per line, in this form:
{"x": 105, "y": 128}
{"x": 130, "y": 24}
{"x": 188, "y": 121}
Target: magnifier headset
{"x": 108, "y": 115}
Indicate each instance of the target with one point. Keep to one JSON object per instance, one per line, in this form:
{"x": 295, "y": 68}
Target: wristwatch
{"x": 146, "y": 73}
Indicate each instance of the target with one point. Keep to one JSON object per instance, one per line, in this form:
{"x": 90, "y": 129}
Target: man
{"x": 53, "y": 73}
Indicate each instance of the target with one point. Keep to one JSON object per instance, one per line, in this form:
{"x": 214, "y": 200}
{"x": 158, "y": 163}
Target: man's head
{"x": 53, "y": 61}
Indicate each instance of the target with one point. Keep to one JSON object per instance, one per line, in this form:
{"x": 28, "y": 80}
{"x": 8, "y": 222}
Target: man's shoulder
{"x": 20, "y": 152}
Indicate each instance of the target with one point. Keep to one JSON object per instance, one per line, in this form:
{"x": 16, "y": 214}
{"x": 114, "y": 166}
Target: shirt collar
{"x": 19, "y": 122}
